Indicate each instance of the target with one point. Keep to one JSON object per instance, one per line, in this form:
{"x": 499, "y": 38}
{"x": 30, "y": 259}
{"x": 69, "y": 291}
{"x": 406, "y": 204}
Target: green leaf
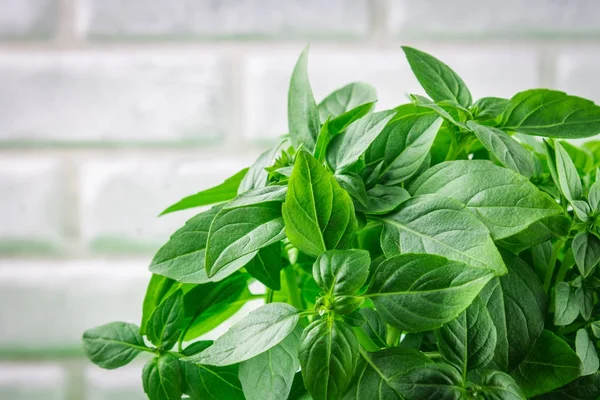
{"x": 421, "y": 292}
{"x": 550, "y": 113}
{"x": 347, "y": 104}
{"x": 253, "y": 197}
{"x": 517, "y": 304}
{"x": 342, "y": 272}
{"x": 447, "y": 111}
{"x": 401, "y": 148}
{"x": 581, "y": 209}
{"x": 549, "y": 365}
{"x": 113, "y": 345}
{"x": 298, "y": 391}
{"x": 182, "y": 257}
{"x": 303, "y": 114}
{"x": 354, "y": 185}
{"x": 257, "y": 175}
{"x": 439, "y": 80}
{"x": 508, "y": 151}
{"x": 505, "y": 201}
{"x": 583, "y": 159}
{"x": 584, "y": 388}
{"x": 237, "y": 234}
{"x": 159, "y": 288}
{"x": 164, "y": 327}
{"x": 161, "y": 378}
{"x": 323, "y": 140}
{"x": 594, "y": 195}
{"x": 443, "y": 226}
{"x": 266, "y": 266}
{"x": 345, "y": 148}
{"x": 596, "y": 328}
{"x": 585, "y": 295}
{"x": 384, "y": 199}
{"x": 328, "y": 357}
{"x": 207, "y": 382}
{"x": 468, "y": 342}
{"x": 318, "y": 213}
{"x": 269, "y": 375}
{"x": 496, "y": 385}
{"x": 566, "y": 304}
{"x": 488, "y": 108}
{"x": 586, "y": 350}
{"x": 568, "y": 178}
{"x": 373, "y": 326}
{"x": 259, "y": 331}
{"x": 586, "y": 250}
{"x": 218, "y": 194}
{"x": 376, "y": 372}
{"x": 433, "y": 381}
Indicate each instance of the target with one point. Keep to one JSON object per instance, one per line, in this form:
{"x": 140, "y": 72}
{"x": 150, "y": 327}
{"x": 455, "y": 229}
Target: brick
{"x": 32, "y": 208}
{"x": 27, "y": 18}
{"x": 124, "y": 384}
{"x": 225, "y": 18}
{"x": 46, "y": 304}
{"x": 122, "y": 197}
{"x": 21, "y": 381}
{"x": 509, "y": 18}
{"x": 488, "y": 72}
{"x": 163, "y": 96}
{"x": 577, "y": 72}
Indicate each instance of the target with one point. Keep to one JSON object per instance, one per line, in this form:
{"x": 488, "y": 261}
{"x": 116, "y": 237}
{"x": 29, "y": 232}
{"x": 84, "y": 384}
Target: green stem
{"x": 269, "y": 296}
{"x": 292, "y": 286}
{"x": 434, "y": 355}
{"x": 552, "y": 264}
{"x": 393, "y": 336}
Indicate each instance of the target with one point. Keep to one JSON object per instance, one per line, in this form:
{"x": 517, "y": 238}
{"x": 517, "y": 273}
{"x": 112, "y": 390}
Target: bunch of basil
{"x": 437, "y": 250}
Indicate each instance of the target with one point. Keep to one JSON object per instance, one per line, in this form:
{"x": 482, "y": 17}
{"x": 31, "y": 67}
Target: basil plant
{"x": 443, "y": 249}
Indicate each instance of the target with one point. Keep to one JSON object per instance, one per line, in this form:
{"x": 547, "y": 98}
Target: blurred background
{"x": 111, "y": 110}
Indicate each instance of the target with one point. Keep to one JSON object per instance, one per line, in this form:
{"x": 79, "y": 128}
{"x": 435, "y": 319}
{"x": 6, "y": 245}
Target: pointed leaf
{"x": 113, "y": 345}
{"x": 342, "y": 272}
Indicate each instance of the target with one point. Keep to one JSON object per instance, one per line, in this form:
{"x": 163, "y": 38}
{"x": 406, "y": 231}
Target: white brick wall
{"x": 111, "y": 110}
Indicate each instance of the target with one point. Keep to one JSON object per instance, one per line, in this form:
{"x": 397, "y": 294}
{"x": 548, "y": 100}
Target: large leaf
{"x": 488, "y": 108}
{"x": 421, "y": 292}
{"x": 374, "y": 327}
{"x": 496, "y": 385}
{"x": 328, "y": 357}
{"x": 549, "y": 365}
{"x": 434, "y": 381}
{"x": 207, "y": 382}
{"x": 218, "y": 194}
{"x": 468, "y": 342}
{"x": 376, "y": 372}
{"x": 159, "y": 288}
{"x": 182, "y": 258}
{"x": 401, "y": 148}
{"x": 303, "y": 114}
{"x": 505, "y": 201}
{"x": 443, "y": 226}
{"x": 550, "y": 113}
{"x": 266, "y": 266}
{"x": 342, "y": 272}
{"x": 318, "y": 213}
{"x": 568, "y": 178}
{"x": 237, "y": 234}
{"x": 508, "y": 151}
{"x": 161, "y": 378}
{"x": 347, "y": 147}
{"x": 439, "y": 80}
{"x": 113, "y": 345}
{"x": 586, "y": 251}
{"x": 259, "y": 331}
{"x": 269, "y": 375}
{"x": 166, "y": 323}
{"x": 347, "y": 104}
{"x": 586, "y": 350}
{"x": 584, "y": 388}
{"x": 517, "y": 304}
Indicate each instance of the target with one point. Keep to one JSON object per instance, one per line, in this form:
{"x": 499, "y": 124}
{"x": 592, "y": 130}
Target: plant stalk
{"x": 552, "y": 264}
{"x": 292, "y": 286}
{"x": 393, "y": 336}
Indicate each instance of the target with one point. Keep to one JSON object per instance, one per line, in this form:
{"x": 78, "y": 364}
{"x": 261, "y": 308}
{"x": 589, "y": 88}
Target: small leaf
{"x": 496, "y": 385}
{"x": 585, "y": 297}
{"x": 266, "y": 266}
{"x": 303, "y": 114}
{"x": 113, "y": 345}
{"x": 488, "y": 108}
{"x": 596, "y": 328}
{"x": 374, "y": 327}
{"x": 166, "y": 323}
{"x": 161, "y": 378}
{"x": 550, "y": 113}
{"x": 566, "y": 304}
{"x": 218, "y": 194}
{"x": 259, "y": 331}
{"x": 159, "y": 288}
{"x": 269, "y": 375}
{"x": 354, "y": 185}
{"x": 342, "y": 272}
{"x": 586, "y": 251}
{"x": 328, "y": 357}
{"x": 549, "y": 365}
{"x": 421, "y": 292}
{"x": 207, "y": 382}
{"x": 586, "y": 350}
{"x": 581, "y": 209}
{"x": 347, "y": 104}
{"x": 594, "y": 195}
{"x": 433, "y": 381}
{"x": 439, "y": 80}
{"x": 257, "y": 175}
{"x": 318, "y": 213}
{"x": 384, "y": 199}
{"x": 449, "y": 112}
{"x": 509, "y": 152}
{"x": 347, "y": 147}
{"x": 568, "y": 178}
{"x": 252, "y": 197}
